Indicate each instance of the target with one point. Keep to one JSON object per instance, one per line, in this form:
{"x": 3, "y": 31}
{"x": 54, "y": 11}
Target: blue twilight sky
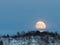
{"x": 21, "y": 15}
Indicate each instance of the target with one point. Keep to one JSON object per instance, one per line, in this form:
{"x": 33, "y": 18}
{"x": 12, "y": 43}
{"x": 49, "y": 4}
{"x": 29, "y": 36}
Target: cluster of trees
{"x": 33, "y": 33}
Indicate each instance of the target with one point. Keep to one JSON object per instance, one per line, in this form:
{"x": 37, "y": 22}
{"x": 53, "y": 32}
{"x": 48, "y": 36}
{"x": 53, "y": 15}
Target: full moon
{"x": 40, "y": 25}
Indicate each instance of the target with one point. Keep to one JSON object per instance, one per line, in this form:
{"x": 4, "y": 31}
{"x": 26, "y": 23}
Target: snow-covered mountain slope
{"x": 31, "y": 38}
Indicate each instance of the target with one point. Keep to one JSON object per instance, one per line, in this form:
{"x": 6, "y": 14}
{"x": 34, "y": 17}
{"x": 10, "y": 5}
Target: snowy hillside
{"x": 31, "y": 38}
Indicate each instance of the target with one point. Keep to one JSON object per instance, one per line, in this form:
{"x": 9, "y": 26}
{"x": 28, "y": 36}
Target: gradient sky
{"x": 21, "y": 15}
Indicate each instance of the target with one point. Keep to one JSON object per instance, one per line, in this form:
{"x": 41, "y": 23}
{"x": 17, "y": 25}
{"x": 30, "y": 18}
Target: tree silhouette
{"x": 18, "y": 34}
{"x": 1, "y": 43}
{"x": 7, "y": 36}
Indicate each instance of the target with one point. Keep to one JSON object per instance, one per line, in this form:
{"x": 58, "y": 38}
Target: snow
{"x": 33, "y": 40}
